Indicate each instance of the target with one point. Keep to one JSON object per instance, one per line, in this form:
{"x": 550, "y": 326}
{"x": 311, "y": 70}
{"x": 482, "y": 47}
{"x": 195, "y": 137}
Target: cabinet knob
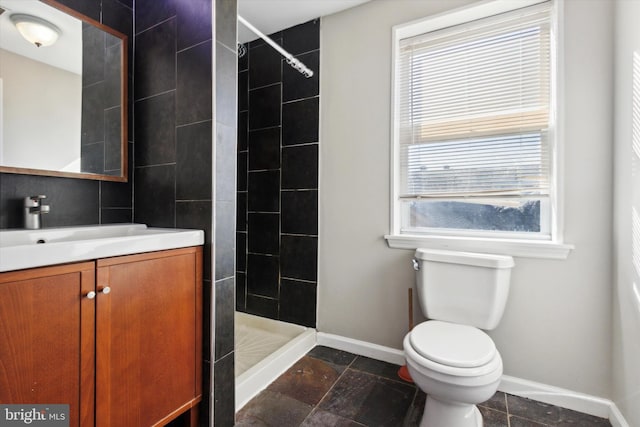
{"x": 90, "y": 295}
{"x": 105, "y": 290}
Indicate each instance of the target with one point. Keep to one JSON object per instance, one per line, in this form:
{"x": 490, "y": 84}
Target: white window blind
{"x": 474, "y": 108}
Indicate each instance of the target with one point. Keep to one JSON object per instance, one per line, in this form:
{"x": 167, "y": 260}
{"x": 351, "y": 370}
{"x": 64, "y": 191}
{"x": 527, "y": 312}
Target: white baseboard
{"x": 361, "y": 348}
{"x": 564, "y": 398}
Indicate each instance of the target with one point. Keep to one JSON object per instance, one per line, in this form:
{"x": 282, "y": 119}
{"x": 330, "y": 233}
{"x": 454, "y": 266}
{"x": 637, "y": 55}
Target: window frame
{"x": 508, "y": 243}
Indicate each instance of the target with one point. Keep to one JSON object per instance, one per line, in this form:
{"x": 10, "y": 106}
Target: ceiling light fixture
{"x": 36, "y": 30}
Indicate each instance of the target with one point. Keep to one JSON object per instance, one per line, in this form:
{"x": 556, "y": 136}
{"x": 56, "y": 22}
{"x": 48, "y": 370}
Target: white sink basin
{"x": 21, "y": 249}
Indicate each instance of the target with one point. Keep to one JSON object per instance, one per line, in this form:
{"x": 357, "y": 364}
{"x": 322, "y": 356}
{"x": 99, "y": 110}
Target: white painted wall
{"x": 41, "y": 114}
{"x": 557, "y": 326}
{"x": 626, "y": 308}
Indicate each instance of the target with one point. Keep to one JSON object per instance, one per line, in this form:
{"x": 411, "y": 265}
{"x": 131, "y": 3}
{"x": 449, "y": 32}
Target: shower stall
{"x": 277, "y": 205}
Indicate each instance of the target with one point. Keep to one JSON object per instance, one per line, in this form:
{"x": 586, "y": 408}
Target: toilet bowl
{"x": 457, "y": 366}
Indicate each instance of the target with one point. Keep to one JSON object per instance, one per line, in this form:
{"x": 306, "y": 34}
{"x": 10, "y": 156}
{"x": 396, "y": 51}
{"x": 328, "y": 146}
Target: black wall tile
{"x": 116, "y": 194}
{"x": 193, "y": 161}
{"x": 72, "y": 201}
{"x": 266, "y": 66}
{"x": 241, "y": 180}
{"x": 241, "y": 251}
{"x": 300, "y": 121}
{"x": 300, "y": 212}
{"x": 300, "y": 167}
{"x": 155, "y": 130}
{"x": 264, "y": 233}
{"x": 225, "y": 239}
{"x": 264, "y": 149}
{"x": 226, "y": 23}
{"x": 155, "y": 54}
{"x": 226, "y": 90}
{"x": 88, "y": 8}
{"x": 261, "y": 306}
{"x": 295, "y": 85}
{"x": 243, "y": 130}
{"x": 243, "y": 92}
{"x": 302, "y": 38}
{"x": 262, "y": 275}
{"x": 226, "y": 159}
{"x": 198, "y": 215}
{"x": 116, "y": 215}
{"x": 193, "y": 93}
{"x": 208, "y": 300}
{"x": 299, "y": 257}
{"x": 152, "y": 12}
{"x": 298, "y": 302}
{"x": 119, "y": 16}
{"x": 155, "y": 195}
{"x": 224, "y": 312}
{"x": 276, "y": 37}
{"x": 264, "y": 107}
{"x": 225, "y": 194}
{"x": 264, "y": 191}
{"x": 194, "y": 22}
{"x": 224, "y": 400}
{"x": 241, "y": 211}
{"x": 241, "y": 291}
{"x": 128, "y": 3}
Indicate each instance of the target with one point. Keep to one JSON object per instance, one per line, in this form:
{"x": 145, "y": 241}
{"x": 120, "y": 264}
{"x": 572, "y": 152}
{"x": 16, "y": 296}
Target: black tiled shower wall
{"x": 277, "y": 183}
{"x": 79, "y": 201}
{"x": 225, "y": 124}
{"x": 186, "y": 142}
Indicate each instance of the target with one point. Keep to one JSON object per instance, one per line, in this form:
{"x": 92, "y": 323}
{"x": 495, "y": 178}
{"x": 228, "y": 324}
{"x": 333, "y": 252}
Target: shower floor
{"x": 264, "y": 349}
{"x": 254, "y": 344}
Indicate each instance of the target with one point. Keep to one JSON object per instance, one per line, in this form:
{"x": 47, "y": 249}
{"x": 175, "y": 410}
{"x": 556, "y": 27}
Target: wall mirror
{"x": 63, "y": 85}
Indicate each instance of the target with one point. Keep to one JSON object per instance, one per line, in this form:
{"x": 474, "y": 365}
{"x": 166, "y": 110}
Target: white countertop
{"x": 20, "y": 249}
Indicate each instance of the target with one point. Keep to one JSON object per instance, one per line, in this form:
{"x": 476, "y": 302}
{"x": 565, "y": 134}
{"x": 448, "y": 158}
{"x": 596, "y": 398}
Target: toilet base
{"x": 446, "y": 414}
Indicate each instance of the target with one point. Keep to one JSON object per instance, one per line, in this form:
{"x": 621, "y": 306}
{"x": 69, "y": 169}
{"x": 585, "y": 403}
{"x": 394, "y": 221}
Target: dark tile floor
{"x": 330, "y": 387}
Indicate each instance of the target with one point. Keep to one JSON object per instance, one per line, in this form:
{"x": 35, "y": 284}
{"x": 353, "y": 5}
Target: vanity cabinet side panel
{"x": 145, "y": 330}
{"x": 46, "y": 331}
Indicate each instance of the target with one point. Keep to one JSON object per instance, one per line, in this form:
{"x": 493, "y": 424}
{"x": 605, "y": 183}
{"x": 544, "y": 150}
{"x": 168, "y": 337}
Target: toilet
{"x": 449, "y": 356}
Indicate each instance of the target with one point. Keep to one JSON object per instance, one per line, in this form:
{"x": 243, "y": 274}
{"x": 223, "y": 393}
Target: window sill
{"x": 516, "y": 248}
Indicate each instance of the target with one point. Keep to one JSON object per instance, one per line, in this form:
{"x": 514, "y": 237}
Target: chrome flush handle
{"x": 416, "y": 264}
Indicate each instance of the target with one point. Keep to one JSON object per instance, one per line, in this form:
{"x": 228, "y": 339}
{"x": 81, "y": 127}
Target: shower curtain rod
{"x": 291, "y": 60}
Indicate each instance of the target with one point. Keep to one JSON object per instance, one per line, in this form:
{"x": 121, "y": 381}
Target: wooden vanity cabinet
{"x": 47, "y": 351}
{"x": 130, "y": 355}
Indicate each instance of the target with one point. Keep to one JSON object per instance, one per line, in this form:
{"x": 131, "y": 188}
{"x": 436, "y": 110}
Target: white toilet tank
{"x": 463, "y": 287}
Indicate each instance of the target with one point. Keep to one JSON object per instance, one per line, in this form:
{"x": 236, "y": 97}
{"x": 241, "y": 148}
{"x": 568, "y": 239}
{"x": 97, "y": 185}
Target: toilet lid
{"x": 451, "y": 344}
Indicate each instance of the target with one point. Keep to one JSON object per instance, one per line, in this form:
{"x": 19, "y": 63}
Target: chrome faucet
{"x": 33, "y": 208}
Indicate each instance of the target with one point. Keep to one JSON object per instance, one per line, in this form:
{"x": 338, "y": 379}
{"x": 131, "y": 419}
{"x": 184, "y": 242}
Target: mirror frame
{"x": 124, "y": 163}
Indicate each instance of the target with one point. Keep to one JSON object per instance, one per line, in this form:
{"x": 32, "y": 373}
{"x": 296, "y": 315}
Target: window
{"x": 474, "y": 124}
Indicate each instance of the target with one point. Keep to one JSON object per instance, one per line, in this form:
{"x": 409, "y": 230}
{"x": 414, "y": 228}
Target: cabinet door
{"x": 148, "y": 337}
{"x": 47, "y": 338}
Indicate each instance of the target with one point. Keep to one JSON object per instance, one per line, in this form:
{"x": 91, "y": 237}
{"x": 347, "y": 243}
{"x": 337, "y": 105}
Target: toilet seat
{"x": 492, "y": 368}
{"x": 452, "y": 344}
